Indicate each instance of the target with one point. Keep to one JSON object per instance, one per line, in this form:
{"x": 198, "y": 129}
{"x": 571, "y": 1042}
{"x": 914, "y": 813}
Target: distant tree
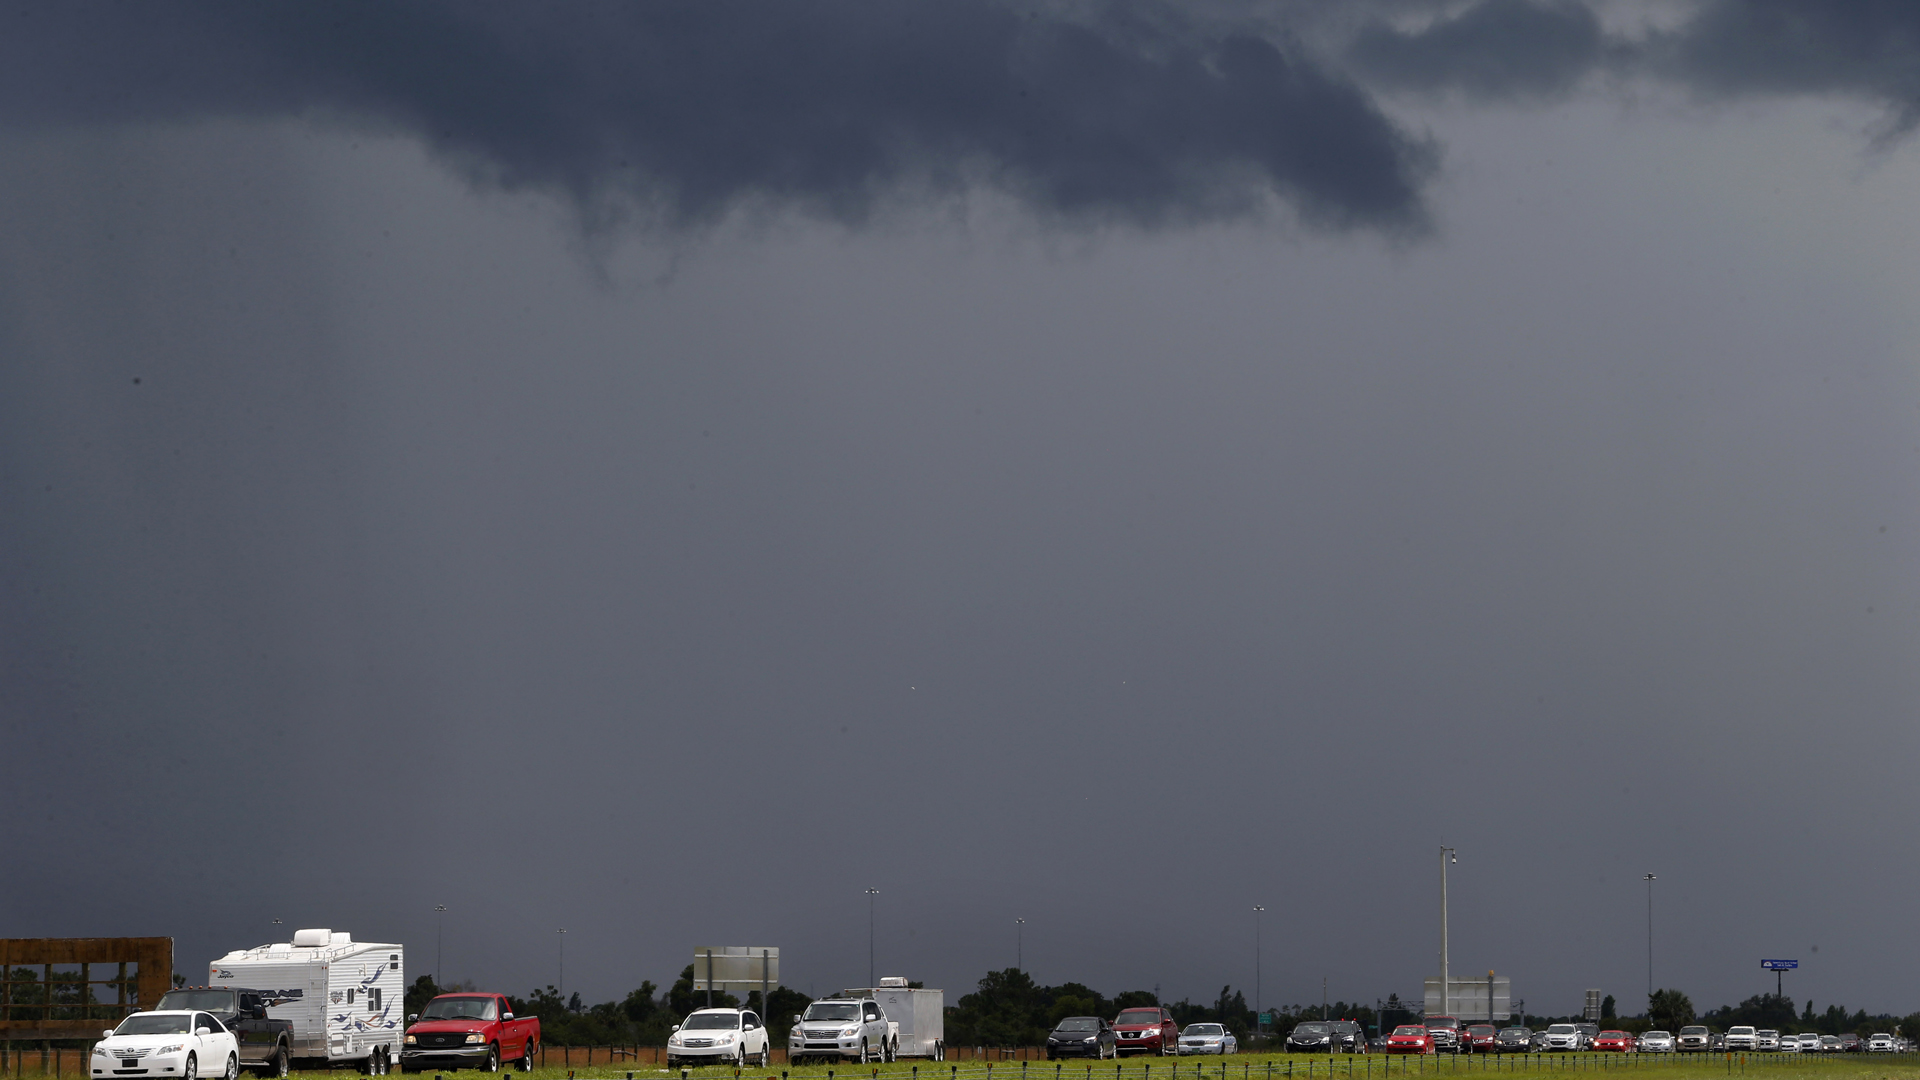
{"x": 1670, "y": 1010}
{"x": 423, "y": 990}
{"x": 1606, "y": 1008}
{"x": 1134, "y": 999}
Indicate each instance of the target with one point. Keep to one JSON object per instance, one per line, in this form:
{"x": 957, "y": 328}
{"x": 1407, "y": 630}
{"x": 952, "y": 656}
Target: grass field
{"x": 1299, "y": 1067}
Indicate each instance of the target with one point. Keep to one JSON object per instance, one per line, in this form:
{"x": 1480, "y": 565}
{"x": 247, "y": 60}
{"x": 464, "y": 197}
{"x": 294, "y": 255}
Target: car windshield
{"x": 1481, "y": 1029}
{"x": 1079, "y": 1023}
{"x": 1695, "y": 1030}
{"x": 1410, "y": 1030}
{"x": 1656, "y": 1035}
{"x": 1146, "y": 1016}
{"x": 153, "y": 1024}
{"x": 1739, "y": 1031}
{"x": 1518, "y": 1033}
{"x": 1447, "y": 1023}
{"x": 1613, "y": 1034}
{"x": 1561, "y": 1029}
{"x": 1203, "y": 1029}
{"x": 712, "y": 1022}
{"x": 833, "y": 1010}
{"x": 459, "y": 1008}
{"x": 1310, "y": 1029}
{"x": 210, "y": 1000}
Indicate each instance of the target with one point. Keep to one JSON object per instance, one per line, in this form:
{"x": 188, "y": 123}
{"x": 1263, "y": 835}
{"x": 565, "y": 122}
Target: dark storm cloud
{"x": 691, "y": 110}
{"x": 1500, "y": 48}
{"x": 1863, "y": 48}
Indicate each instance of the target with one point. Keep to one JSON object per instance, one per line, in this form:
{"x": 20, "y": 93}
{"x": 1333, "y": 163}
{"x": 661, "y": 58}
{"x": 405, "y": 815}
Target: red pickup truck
{"x": 470, "y": 1031}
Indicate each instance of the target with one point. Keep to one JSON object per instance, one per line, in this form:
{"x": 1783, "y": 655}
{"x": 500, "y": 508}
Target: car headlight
{"x": 473, "y": 1038}
{"x": 727, "y": 1038}
{"x": 1091, "y": 1038}
{"x": 411, "y": 1041}
{"x": 100, "y": 1051}
{"x": 173, "y": 1049}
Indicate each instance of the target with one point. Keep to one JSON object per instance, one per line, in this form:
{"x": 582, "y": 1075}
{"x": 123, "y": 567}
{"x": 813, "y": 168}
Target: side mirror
{"x": 106, "y": 1033}
{"x": 203, "y": 1031}
{"x": 506, "y": 1016}
{"x": 411, "y": 1017}
{"x": 796, "y": 1018}
{"x": 675, "y": 1027}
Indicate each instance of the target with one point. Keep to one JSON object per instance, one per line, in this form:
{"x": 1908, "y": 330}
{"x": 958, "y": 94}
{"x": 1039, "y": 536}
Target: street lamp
{"x": 1650, "y": 880}
{"x": 563, "y": 963}
{"x": 1447, "y": 856}
{"x": 439, "y": 942}
{"x": 1257, "y": 909}
{"x": 871, "y": 893}
{"x": 1019, "y": 944}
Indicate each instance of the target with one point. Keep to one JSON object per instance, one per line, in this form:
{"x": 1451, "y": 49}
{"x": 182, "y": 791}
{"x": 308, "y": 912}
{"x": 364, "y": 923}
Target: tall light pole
{"x": 1447, "y": 855}
{"x": 563, "y": 964}
{"x": 439, "y": 942}
{"x": 1650, "y": 880}
{"x": 1020, "y": 944}
{"x": 871, "y": 893}
{"x": 1257, "y": 909}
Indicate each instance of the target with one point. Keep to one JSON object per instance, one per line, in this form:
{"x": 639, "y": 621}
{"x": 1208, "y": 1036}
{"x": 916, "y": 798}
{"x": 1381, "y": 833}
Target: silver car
{"x": 1656, "y": 1042}
{"x": 1208, "y": 1039}
{"x": 1562, "y": 1037}
{"x": 1766, "y": 1039}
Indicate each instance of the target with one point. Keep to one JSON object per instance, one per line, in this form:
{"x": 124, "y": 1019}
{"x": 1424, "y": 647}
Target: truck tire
{"x": 526, "y": 1059}
{"x": 492, "y": 1064}
{"x": 864, "y": 1056}
{"x": 939, "y": 1050}
{"x": 892, "y": 1053}
{"x": 277, "y": 1064}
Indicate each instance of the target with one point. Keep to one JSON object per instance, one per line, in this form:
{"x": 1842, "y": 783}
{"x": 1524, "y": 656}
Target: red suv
{"x": 1146, "y": 1031}
{"x": 1478, "y": 1038}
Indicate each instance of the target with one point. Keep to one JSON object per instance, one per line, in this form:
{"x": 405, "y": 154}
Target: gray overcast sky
{"x": 661, "y": 471}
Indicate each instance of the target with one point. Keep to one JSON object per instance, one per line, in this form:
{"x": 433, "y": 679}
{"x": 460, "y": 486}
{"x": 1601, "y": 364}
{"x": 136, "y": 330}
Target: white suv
{"x": 843, "y": 1028}
{"x": 1741, "y": 1037}
{"x": 710, "y": 1035}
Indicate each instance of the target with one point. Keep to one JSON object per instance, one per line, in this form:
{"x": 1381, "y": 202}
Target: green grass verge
{"x": 1295, "y": 1067}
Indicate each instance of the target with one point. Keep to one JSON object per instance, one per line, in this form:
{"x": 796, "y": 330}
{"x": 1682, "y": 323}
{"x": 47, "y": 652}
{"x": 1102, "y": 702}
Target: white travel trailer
{"x": 345, "y": 998}
{"x": 919, "y": 1014}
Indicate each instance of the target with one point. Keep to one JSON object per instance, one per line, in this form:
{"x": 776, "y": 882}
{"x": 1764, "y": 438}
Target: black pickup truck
{"x": 265, "y": 1044}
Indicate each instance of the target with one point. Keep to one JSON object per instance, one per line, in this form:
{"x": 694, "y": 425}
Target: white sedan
{"x": 1208, "y": 1039}
{"x": 183, "y": 1044}
{"x": 714, "y": 1035}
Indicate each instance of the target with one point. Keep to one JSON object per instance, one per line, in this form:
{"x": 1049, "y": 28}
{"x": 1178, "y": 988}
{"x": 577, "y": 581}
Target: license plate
{"x": 129, "y": 1063}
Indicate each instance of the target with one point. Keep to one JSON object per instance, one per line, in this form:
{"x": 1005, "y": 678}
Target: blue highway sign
{"x": 1779, "y": 965}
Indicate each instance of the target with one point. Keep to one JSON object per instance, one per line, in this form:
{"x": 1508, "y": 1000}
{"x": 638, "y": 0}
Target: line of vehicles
{"x": 1447, "y": 1034}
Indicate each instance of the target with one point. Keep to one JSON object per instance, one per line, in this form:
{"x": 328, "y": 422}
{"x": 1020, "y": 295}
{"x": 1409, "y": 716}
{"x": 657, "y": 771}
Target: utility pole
{"x": 1447, "y": 856}
{"x": 871, "y": 981}
{"x": 439, "y": 942}
{"x": 1257, "y": 909}
{"x": 1650, "y": 880}
{"x": 1019, "y": 944}
{"x": 563, "y": 965}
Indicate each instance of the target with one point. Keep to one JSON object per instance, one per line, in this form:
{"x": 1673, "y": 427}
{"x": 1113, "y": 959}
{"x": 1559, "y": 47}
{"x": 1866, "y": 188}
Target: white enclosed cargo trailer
{"x": 920, "y": 1014}
{"x": 344, "y": 997}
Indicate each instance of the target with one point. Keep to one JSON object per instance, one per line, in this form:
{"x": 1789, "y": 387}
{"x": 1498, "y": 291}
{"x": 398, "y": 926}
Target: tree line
{"x": 1008, "y": 1008}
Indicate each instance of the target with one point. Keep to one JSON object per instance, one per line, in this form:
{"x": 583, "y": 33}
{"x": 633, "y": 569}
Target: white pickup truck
{"x": 843, "y": 1029}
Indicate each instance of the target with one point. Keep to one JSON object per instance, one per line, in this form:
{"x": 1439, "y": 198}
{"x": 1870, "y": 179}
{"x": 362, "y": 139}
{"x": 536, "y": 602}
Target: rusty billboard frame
{"x": 50, "y": 1019}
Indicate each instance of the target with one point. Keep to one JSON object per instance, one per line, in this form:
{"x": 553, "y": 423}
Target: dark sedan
{"x": 1327, "y": 1037}
{"x": 1082, "y": 1036}
{"x": 1513, "y": 1040}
